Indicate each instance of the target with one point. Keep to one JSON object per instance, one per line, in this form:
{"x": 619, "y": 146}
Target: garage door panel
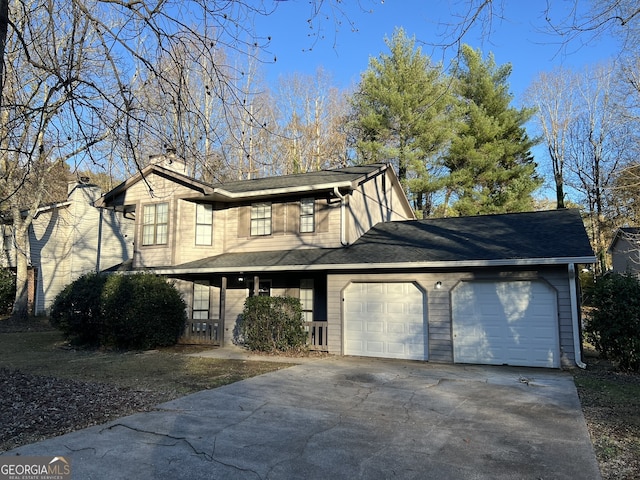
{"x": 374, "y": 327}
{"x": 355, "y": 327}
{"x": 375, "y": 347}
{"x": 354, "y": 307}
{"x": 392, "y": 320}
{"x": 395, "y": 288}
{"x": 396, "y": 328}
{"x": 393, "y": 308}
{"x": 505, "y": 322}
{"x": 396, "y": 348}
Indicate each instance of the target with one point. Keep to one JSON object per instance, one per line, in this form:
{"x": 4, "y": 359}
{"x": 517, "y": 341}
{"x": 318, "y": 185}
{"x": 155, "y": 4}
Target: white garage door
{"x": 512, "y": 323}
{"x": 385, "y": 320}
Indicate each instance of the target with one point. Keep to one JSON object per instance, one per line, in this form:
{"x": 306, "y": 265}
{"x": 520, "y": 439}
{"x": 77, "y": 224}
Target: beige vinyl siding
{"x": 64, "y": 243}
{"x": 285, "y": 228}
{"x": 372, "y": 202}
{"x": 117, "y": 239}
{"x": 164, "y": 191}
{"x": 439, "y": 305}
{"x": 186, "y": 249}
{"x": 50, "y": 246}
{"x": 234, "y": 304}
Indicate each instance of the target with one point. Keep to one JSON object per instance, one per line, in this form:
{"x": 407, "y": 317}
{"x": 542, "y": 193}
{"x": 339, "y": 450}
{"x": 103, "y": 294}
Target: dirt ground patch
{"x": 611, "y": 406}
{"x": 49, "y": 388}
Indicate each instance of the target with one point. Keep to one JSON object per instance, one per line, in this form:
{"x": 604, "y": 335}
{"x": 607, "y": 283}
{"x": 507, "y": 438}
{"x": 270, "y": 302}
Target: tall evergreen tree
{"x": 491, "y": 168}
{"x": 399, "y": 116}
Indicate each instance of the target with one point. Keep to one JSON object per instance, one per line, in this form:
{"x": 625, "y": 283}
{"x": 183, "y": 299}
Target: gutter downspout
{"x": 573, "y": 295}
{"x": 343, "y": 215}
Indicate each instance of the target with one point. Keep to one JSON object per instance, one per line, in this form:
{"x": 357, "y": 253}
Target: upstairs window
{"x": 261, "y": 219}
{"x": 204, "y": 224}
{"x": 307, "y": 215}
{"x": 155, "y": 224}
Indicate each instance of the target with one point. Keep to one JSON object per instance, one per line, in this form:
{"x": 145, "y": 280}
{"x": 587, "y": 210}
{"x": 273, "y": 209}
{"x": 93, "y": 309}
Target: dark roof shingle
{"x": 557, "y": 235}
{"x": 323, "y": 177}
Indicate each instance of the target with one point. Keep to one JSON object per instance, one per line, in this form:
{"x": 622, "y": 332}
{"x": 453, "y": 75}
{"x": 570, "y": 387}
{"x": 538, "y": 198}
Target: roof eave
{"x": 281, "y": 191}
{"x": 383, "y": 266}
{"x": 103, "y": 201}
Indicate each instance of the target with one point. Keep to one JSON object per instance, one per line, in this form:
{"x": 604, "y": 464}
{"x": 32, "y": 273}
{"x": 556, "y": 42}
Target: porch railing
{"x": 207, "y": 331}
{"x": 317, "y": 338}
{"x": 202, "y": 331}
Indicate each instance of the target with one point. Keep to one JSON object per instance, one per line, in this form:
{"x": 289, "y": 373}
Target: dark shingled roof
{"x": 309, "y": 179}
{"x": 549, "y": 234}
{"x": 557, "y": 235}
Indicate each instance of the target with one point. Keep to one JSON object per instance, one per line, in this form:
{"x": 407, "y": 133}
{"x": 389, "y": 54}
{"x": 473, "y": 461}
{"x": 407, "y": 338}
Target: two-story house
{"x": 498, "y": 289}
{"x": 182, "y": 223}
{"x": 68, "y": 239}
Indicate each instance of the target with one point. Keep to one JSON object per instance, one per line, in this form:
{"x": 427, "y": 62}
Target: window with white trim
{"x": 155, "y": 224}
{"x": 204, "y": 223}
{"x": 307, "y": 215}
{"x": 261, "y": 219}
{"x": 306, "y": 299}
{"x": 200, "y": 300}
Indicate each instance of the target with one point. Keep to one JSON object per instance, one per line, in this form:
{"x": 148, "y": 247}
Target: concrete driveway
{"x": 347, "y": 418}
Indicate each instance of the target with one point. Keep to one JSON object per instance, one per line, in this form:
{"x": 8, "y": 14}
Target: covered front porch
{"x": 215, "y": 303}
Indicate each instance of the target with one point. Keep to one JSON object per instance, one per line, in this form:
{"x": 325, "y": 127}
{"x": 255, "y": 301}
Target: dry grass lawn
{"x": 40, "y": 373}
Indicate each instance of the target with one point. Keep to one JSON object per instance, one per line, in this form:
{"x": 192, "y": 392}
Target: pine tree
{"x": 491, "y": 168}
{"x": 399, "y": 116}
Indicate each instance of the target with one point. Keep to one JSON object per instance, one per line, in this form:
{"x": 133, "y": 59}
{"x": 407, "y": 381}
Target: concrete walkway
{"x": 349, "y": 418}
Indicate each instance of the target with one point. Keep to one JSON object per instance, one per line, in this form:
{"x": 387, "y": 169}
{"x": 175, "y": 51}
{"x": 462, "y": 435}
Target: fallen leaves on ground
{"x": 34, "y": 407}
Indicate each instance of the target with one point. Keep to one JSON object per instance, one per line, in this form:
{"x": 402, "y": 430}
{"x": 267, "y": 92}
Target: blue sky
{"x": 518, "y": 38}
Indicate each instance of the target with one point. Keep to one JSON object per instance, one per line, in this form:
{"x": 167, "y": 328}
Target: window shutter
{"x": 243, "y": 221}
{"x": 278, "y": 212}
{"x": 293, "y": 218}
{"x": 322, "y": 222}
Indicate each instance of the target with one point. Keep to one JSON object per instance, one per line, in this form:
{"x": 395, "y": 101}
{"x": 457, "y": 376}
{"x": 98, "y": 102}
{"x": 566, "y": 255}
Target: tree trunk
{"x": 559, "y": 191}
{"x": 21, "y": 304}
{"x": 4, "y": 29}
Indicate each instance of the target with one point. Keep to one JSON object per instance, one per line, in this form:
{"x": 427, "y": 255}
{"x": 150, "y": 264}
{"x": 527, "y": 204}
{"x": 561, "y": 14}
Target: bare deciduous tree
{"x": 598, "y": 149}
{"x": 73, "y": 77}
{"x": 553, "y": 95}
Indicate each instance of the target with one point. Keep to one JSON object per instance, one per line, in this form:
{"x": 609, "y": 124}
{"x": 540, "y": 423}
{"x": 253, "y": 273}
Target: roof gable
{"x": 116, "y": 195}
{"x": 632, "y": 234}
{"x": 343, "y": 178}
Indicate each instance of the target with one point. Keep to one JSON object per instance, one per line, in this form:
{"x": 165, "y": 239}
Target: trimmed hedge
{"x": 139, "y": 311}
{"x": 613, "y": 325}
{"x": 273, "y": 324}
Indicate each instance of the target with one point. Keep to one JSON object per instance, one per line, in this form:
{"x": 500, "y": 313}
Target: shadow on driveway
{"x": 347, "y": 418}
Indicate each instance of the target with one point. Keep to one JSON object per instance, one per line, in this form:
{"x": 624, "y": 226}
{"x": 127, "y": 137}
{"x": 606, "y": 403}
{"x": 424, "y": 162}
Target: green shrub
{"x": 271, "y": 324}
{"x": 76, "y": 310}
{"x": 7, "y": 289}
{"x": 142, "y": 311}
{"x": 120, "y": 311}
{"x": 613, "y": 325}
